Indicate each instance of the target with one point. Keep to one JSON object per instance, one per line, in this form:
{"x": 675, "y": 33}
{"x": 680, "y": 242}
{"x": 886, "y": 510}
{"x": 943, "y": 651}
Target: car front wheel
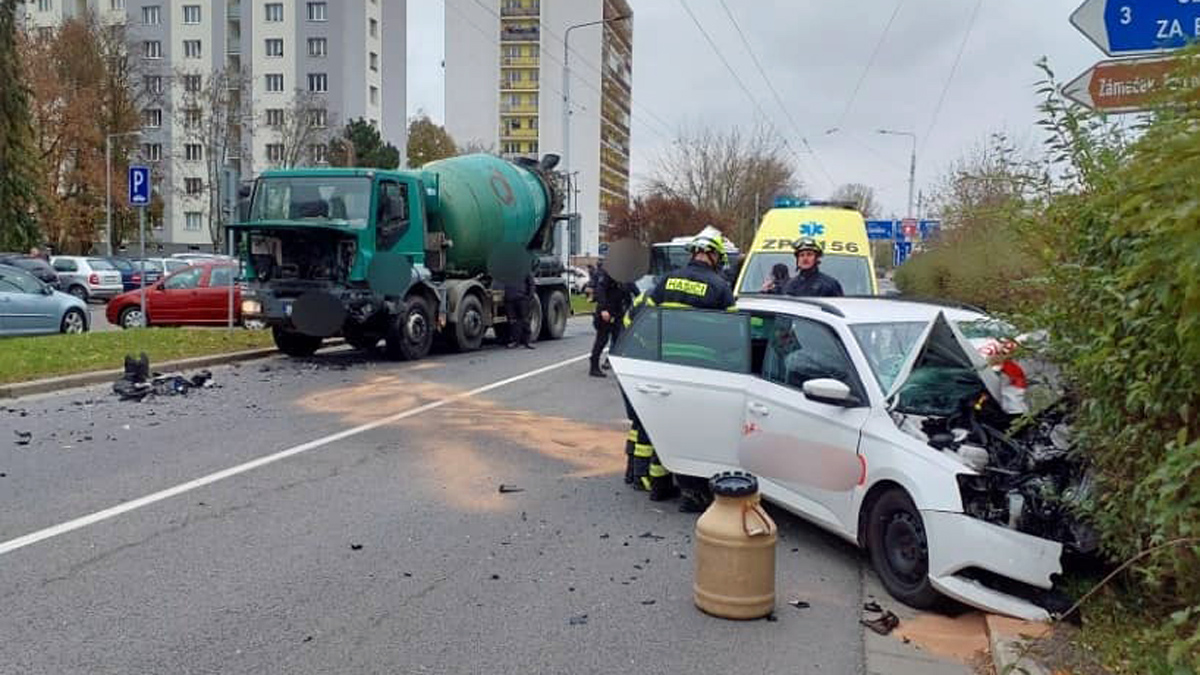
{"x": 899, "y": 550}
{"x": 74, "y": 322}
{"x": 132, "y": 317}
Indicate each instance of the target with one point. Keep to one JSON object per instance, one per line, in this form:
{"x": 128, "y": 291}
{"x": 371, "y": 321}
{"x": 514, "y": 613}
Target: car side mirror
{"x": 830, "y": 391}
{"x": 47, "y": 290}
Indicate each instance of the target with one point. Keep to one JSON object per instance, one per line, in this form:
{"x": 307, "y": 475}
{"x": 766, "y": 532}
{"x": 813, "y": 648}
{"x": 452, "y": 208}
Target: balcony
{"x": 233, "y": 45}
{"x": 519, "y": 108}
{"x": 233, "y": 11}
{"x": 520, "y": 11}
{"x": 518, "y": 85}
{"x": 518, "y": 134}
{"x": 518, "y": 34}
{"x": 520, "y": 61}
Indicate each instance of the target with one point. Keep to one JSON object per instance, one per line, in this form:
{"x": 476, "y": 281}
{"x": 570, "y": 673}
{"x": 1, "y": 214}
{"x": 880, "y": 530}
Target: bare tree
{"x": 734, "y": 173}
{"x": 209, "y": 120}
{"x": 862, "y": 196}
{"x": 303, "y": 130}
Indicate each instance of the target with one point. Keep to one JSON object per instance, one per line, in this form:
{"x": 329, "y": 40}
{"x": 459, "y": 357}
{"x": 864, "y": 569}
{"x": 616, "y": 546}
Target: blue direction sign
{"x": 930, "y": 228}
{"x": 880, "y": 229}
{"x": 1124, "y": 27}
{"x": 139, "y": 186}
{"x": 900, "y": 253}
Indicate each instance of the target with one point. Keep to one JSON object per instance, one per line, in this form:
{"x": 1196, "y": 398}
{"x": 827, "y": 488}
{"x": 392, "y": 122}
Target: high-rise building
{"x": 504, "y": 92}
{"x": 287, "y": 74}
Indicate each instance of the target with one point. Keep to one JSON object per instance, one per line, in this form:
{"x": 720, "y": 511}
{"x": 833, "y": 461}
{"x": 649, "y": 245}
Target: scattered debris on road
{"x": 649, "y": 602}
{"x": 23, "y": 437}
{"x": 356, "y": 547}
{"x": 138, "y": 382}
{"x": 872, "y": 607}
{"x": 509, "y": 489}
{"x": 799, "y": 604}
{"x": 580, "y": 620}
{"x": 884, "y": 624}
{"x": 651, "y": 535}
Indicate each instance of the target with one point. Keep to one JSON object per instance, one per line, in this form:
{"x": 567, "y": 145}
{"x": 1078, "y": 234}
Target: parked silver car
{"x": 30, "y": 307}
{"x": 88, "y": 277}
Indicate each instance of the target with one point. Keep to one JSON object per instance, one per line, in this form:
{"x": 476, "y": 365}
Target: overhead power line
{"x": 733, "y": 73}
{"x": 775, "y": 92}
{"x": 950, "y": 80}
{"x": 870, "y": 64}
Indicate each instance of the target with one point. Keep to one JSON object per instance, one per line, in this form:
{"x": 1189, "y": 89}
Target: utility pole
{"x": 912, "y": 166}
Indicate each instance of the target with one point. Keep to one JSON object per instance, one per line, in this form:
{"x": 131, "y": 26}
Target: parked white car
{"x": 88, "y": 277}
{"x": 578, "y": 278}
{"x": 873, "y": 418}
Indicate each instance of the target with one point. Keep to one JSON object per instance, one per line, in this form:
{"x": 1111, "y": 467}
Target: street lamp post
{"x": 566, "y": 121}
{"x": 912, "y": 166}
{"x": 108, "y": 186}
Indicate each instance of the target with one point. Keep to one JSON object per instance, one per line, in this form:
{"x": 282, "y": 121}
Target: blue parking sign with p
{"x": 139, "y": 185}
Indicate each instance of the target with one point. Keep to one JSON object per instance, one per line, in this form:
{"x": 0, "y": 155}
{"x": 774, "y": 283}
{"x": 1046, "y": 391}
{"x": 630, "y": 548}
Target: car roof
{"x": 859, "y": 310}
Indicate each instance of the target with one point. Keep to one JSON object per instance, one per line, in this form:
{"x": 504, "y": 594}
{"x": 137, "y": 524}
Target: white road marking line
{"x": 126, "y": 507}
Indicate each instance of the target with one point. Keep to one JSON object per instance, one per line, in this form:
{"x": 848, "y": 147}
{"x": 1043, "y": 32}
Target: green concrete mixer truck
{"x": 401, "y": 257}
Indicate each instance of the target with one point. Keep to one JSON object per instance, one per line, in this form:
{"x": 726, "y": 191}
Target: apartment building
{"x": 280, "y": 76}
{"x": 504, "y": 91}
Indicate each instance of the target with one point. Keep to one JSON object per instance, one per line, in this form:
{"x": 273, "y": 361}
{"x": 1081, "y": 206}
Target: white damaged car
{"x": 876, "y": 419}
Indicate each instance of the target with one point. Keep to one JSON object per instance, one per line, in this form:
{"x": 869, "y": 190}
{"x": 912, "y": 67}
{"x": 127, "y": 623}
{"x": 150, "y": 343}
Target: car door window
{"x": 7, "y": 286}
{"x": 189, "y": 278}
{"x": 22, "y": 283}
{"x": 640, "y": 340}
{"x": 221, "y": 277}
{"x": 801, "y": 349}
{"x": 65, "y": 266}
{"x": 391, "y": 221}
{"x": 706, "y": 339}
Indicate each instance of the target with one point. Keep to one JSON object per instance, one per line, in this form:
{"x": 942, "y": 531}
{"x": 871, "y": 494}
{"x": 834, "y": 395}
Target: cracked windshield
{"x": 495, "y": 336}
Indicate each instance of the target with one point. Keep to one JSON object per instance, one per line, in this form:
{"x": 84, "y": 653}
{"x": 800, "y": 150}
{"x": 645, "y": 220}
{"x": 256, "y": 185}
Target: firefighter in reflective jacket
{"x": 699, "y": 285}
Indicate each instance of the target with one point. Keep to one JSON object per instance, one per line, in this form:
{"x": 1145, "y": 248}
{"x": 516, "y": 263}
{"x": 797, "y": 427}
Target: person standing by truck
{"x": 613, "y": 299}
{"x": 518, "y": 296}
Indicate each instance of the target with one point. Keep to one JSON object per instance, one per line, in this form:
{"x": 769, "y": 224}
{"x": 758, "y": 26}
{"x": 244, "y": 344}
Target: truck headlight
{"x": 251, "y": 307}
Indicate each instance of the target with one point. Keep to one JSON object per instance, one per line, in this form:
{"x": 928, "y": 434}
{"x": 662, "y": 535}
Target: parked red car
{"x": 196, "y": 295}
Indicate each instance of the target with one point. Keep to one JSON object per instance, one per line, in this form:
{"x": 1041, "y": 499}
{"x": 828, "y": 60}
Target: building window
{"x": 374, "y": 61}
{"x": 191, "y": 49}
{"x": 192, "y": 83}
{"x": 193, "y": 220}
{"x": 374, "y": 95}
{"x": 116, "y": 4}
{"x": 274, "y": 117}
{"x": 193, "y": 152}
{"x": 45, "y": 5}
{"x": 373, "y": 28}
{"x": 318, "y": 47}
{"x": 154, "y": 84}
{"x": 193, "y": 117}
{"x": 274, "y": 12}
{"x": 319, "y": 153}
{"x": 317, "y": 11}
{"x": 193, "y": 186}
{"x": 152, "y": 152}
{"x": 152, "y": 118}
{"x": 318, "y": 82}
{"x": 274, "y": 82}
{"x": 191, "y": 14}
{"x": 151, "y": 15}
{"x": 275, "y": 152}
{"x": 318, "y": 117}
{"x": 152, "y": 49}
{"x": 275, "y": 47}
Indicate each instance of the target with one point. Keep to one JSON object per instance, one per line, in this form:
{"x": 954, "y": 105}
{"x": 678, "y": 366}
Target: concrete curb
{"x": 1007, "y": 638}
{"x": 19, "y": 389}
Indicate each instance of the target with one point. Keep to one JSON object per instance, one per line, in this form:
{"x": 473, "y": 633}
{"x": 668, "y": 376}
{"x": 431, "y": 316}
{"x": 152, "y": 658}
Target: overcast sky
{"x": 814, "y": 52}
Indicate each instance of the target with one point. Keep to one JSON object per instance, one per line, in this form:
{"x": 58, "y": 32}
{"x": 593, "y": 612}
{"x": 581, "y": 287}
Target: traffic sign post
{"x": 1124, "y": 86}
{"x": 139, "y": 196}
{"x": 900, "y": 253}
{"x": 1129, "y": 27}
{"x": 880, "y": 229}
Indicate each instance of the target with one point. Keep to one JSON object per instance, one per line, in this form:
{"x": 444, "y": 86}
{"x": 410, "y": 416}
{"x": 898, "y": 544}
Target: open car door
{"x": 685, "y": 373}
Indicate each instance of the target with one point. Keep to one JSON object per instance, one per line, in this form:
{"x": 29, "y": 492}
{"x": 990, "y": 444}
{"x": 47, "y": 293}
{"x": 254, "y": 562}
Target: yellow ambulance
{"x": 839, "y": 228}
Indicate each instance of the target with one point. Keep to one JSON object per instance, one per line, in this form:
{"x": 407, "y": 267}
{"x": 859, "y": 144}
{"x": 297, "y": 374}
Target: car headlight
{"x": 251, "y": 307}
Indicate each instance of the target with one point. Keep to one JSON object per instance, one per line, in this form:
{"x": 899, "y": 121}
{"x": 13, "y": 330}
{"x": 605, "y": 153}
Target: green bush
{"x": 1121, "y": 302}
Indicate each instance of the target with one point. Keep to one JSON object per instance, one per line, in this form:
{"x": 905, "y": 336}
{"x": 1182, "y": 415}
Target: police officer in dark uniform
{"x": 809, "y": 280}
{"x": 699, "y": 285}
{"x": 613, "y": 299}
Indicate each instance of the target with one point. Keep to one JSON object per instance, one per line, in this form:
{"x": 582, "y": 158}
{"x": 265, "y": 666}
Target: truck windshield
{"x": 327, "y": 199}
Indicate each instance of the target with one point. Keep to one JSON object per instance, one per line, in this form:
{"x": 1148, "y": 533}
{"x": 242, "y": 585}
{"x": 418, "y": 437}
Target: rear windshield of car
{"x": 851, "y": 271}
{"x": 886, "y": 346}
{"x": 100, "y": 264}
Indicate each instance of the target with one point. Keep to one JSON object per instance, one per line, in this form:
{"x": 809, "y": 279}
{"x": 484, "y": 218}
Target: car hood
{"x": 943, "y": 347}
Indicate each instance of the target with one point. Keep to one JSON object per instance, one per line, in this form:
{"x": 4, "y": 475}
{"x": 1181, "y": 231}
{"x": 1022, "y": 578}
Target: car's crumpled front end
{"x": 1020, "y": 485}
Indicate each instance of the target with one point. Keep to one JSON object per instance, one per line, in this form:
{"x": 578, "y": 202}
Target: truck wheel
{"x": 469, "y": 325}
{"x": 295, "y": 344}
{"x": 410, "y": 333}
{"x": 535, "y": 318}
{"x": 557, "y": 310}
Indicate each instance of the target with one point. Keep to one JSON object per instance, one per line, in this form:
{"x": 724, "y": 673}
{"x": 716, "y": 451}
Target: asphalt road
{"x": 386, "y": 548}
